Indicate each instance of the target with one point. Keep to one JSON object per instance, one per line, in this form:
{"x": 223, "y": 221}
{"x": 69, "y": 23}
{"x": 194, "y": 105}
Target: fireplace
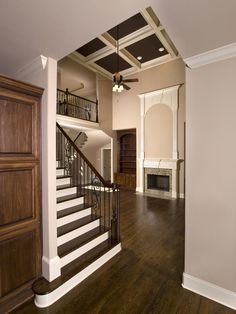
{"x": 158, "y": 182}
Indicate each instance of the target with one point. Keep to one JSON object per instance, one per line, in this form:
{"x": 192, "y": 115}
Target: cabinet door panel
{"x": 17, "y": 263}
{"x": 15, "y": 127}
{"x": 17, "y": 192}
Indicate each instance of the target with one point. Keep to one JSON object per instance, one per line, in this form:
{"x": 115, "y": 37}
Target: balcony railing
{"x": 77, "y": 107}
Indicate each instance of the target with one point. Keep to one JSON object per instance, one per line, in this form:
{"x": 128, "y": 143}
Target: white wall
{"x": 210, "y": 242}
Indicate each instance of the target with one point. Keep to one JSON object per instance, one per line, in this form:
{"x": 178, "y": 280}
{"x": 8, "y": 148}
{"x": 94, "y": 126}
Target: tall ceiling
{"x": 56, "y": 28}
{"x": 138, "y": 43}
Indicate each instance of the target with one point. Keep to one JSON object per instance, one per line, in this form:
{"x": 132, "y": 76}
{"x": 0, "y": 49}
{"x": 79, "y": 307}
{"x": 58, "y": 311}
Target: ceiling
{"x": 138, "y": 43}
{"x": 55, "y": 28}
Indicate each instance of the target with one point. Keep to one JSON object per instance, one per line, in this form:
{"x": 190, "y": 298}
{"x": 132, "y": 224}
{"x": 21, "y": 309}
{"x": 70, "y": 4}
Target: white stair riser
{"x": 70, "y": 203}
{"x": 60, "y": 172}
{"x": 77, "y": 232}
{"x": 63, "y": 181}
{"x": 82, "y": 250}
{"x": 66, "y": 192}
{"x": 57, "y": 163}
{"x": 75, "y": 216}
{"x": 50, "y": 298}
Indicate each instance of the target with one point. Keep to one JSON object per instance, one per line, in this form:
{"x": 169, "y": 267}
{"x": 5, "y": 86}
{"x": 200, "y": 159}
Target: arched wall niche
{"x": 170, "y": 98}
{"x": 158, "y": 131}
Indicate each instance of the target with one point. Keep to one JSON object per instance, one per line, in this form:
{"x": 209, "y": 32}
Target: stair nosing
{"x": 69, "y": 199}
{"x": 86, "y": 206}
{"x": 100, "y": 233}
{"x": 93, "y": 218}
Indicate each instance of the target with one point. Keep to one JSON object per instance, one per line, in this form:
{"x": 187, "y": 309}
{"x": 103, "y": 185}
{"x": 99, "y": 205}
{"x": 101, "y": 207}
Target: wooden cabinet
{"x": 20, "y": 191}
{"x": 126, "y": 176}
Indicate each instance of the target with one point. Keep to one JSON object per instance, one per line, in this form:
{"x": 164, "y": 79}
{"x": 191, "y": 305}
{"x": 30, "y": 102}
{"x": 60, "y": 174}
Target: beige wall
{"x": 126, "y": 105}
{"x": 159, "y": 132}
{"x": 210, "y": 240}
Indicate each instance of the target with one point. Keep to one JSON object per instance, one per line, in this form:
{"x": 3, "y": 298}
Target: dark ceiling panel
{"x": 129, "y": 26}
{"x": 147, "y": 48}
{"x": 91, "y": 47}
{"x": 109, "y": 63}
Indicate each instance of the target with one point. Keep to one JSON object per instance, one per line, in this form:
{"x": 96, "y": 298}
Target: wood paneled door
{"x": 20, "y": 191}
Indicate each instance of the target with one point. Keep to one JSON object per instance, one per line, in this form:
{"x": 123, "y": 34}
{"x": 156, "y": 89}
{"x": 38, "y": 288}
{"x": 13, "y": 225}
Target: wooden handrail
{"x": 67, "y": 92}
{"x": 106, "y": 184}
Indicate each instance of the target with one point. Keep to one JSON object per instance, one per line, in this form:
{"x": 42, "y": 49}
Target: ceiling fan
{"x": 118, "y": 81}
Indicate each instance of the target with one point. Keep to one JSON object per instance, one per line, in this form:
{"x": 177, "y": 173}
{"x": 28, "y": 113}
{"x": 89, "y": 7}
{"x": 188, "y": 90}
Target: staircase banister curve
{"x": 104, "y": 182}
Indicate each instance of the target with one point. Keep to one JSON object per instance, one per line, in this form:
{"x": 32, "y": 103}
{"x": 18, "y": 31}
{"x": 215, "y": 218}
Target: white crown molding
{"x": 38, "y": 64}
{"x": 211, "y": 56}
{"x": 210, "y": 291}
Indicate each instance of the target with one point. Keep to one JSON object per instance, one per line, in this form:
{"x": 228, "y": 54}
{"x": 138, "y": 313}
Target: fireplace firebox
{"x": 158, "y": 182}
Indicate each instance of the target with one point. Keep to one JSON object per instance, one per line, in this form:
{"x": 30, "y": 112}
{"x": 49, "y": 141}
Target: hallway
{"x": 146, "y": 276}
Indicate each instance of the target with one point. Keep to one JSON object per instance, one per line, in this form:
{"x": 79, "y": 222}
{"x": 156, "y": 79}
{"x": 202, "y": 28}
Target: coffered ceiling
{"x": 142, "y": 43}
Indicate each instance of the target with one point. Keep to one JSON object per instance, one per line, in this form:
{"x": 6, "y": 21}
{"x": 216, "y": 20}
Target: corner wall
{"x": 210, "y": 241}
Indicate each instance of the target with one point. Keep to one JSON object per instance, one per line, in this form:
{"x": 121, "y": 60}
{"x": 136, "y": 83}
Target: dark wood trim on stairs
{"x": 76, "y": 224}
{"x": 76, "y": 243}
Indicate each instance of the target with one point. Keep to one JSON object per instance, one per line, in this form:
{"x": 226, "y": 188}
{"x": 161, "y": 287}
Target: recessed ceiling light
{"x": 139, "y": 57}
{"x": 161, "y": 49}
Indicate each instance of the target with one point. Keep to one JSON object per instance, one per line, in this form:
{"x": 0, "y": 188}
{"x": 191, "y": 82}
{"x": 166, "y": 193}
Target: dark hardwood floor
{"x": 146, "y": 276}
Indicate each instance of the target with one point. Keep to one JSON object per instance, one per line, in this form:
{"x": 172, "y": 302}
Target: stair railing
{"x": 75, "y": 106}
{"x": 104, "y": 197}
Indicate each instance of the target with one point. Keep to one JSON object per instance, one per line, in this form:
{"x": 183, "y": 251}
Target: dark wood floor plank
{"x": 146, "y": 276}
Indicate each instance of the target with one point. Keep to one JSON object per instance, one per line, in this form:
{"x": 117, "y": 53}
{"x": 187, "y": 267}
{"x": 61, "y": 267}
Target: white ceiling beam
{"x": 75, "y": 56}
{"x": 111, "y": 43}
{"x": 158, "y": 31}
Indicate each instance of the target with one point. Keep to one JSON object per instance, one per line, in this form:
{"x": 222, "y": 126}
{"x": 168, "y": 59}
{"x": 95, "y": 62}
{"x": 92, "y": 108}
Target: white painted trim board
{"x": 48, "y": 299}
{"x": 209, "y": 290}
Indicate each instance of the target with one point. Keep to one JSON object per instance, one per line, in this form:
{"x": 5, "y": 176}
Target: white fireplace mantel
{"x": 163, "y": 163}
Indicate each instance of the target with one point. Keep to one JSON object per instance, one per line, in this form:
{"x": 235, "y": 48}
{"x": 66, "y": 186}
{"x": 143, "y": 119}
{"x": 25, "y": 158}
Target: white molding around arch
{"x": 170, "y": 97}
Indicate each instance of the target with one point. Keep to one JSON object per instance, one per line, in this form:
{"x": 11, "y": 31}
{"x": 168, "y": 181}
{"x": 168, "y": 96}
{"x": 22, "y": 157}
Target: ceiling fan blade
{"x": 131, "y": 80}
{"x": 126, "y": 86}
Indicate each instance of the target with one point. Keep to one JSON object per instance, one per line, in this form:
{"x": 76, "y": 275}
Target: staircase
{"x": 87, "y": 221}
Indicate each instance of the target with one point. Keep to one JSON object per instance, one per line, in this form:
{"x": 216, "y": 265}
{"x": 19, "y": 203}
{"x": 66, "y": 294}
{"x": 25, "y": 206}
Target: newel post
{"x": 97, "y": 111}
{"x": 115, "y": 221}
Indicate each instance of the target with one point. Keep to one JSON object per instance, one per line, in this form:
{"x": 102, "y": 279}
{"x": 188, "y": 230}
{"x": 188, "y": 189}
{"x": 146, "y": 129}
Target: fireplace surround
{"x": 159, "y": 166}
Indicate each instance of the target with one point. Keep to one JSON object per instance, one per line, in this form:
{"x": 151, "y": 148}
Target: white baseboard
{"x": 210, "y": 291}
{"x": 49, "y": 298}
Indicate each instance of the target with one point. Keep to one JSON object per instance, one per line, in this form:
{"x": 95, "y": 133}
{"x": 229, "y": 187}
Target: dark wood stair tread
{"x": 72, "y": 210}
{"x": 59, "y": 168}
{"x": 76, "y": 224}
{"x": 63, "y": 177}
{"x": 81, "y": 240}
{"x": 42, "y": 286}
{"x": 66, "y": 186}
{"x": 65, "y": 198}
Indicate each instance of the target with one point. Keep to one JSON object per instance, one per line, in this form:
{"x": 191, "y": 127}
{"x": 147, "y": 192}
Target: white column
{"x": 142, "y": 144}
{"x": 175, "y": 153}
{"x": 43, "y": 72}
{"x": 51, "y": 261}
